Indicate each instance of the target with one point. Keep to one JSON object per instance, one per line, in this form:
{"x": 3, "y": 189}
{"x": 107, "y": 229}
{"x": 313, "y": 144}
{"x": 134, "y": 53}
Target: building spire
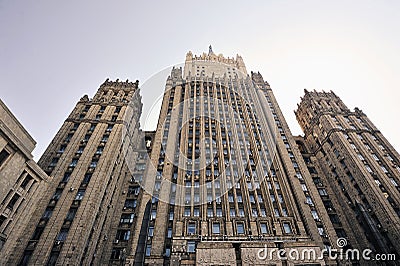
{"x": 210, "y": 51}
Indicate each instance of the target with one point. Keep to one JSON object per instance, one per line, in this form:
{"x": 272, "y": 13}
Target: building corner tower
{"x": 90, "y": 202}
{"x": 359, "y": 168}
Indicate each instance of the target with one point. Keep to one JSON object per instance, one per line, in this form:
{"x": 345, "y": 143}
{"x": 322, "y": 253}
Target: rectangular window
{"x": 66, "y": 177}
{"x": 264, "y": 228}
{"x": 322, "y": 192}
{"x": 123, "y": 235}
{"x": 286, "y": 228}
{"x": 26, "y": 181}
{"x": 116, "y": 254}
{"x": 12, "y": 202}
{"x": 153, "y": 214}
{"x": 80, "y": 194}
{"x": 315, "y": 214}
{"x": 71, "y": 214}
{"x": 62, "y": 235}
{"x": 87, "y": 178}
{"x": 130, "y": 203}
{"x": 191, "y": 229}
{"x": 169, "y": 232}
{"x": 210, "y": 212}
{"x": 148, "y": 250}
{"x": 93, "y": 164}
{"x": 187, "y": 212}
{"x": 216, "y": 228}
{"x": 127, "y": 218}
{"x": 47, "y": 213}
{"x": 384, "y": 169}
{"x": 191, "y": 247}
{"x": 240, "y": 228}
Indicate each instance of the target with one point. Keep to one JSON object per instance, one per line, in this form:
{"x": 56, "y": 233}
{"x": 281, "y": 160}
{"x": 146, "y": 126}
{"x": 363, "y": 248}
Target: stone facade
{"x": 88, "y": 210}
{"x": 356, "y": 171}
{"x": 22, "y": 182}
{"x": 225, "y": 175}
{"x": 221, "y": 181}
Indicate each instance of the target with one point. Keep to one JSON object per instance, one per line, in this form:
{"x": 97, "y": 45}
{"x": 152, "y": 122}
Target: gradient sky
{"x": 53, "y": 52}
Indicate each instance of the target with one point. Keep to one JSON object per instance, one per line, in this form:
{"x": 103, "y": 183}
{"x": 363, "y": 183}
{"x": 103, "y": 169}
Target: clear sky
{"x": 53, "y": 52}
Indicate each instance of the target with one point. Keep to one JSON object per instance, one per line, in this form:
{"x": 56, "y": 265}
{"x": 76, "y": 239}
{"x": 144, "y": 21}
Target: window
{"x": 116, "y": 253}
{"x": 12, "y": 202}
{"x": 240, "y": 228}
{"x": 322, "y": 192}
{"x": 196, "y": 212}
{"x": 57, "y": 194}
{"x": 219, "y": 212}
{"x": 130, "y": 203}
{"x": 62, "y": 148}
{"x": 167, "y": 252}
{"x": 315, "y": 214}
{"x": 187, "y": 212}
{"x": 93, "y": 164}
{"x": 66, "y": 177}
{"x": 80, "y": 149}
{"x": 80, "y": 194}
{"x": 210, "y": 212}
{"x": 127, "y": 218}
{"x": 99, "y": 150}
{"x": 148, "y": 250}
{"x": 263, "y": 228}
{"x": 153, "y": 214}
{"x": 71, "y": 214}
{"x": 191, "y": 247}
{"x": 73, "y": 163}
{"x": 191, "y": 229}
{"x": 216, "y": 228}
{"x": 384, "y": 169}
{"x": 87, "y": 178}
{"x": 26, "y": 181}
{"x": 123, "y": 235}
{"x": 47, "y": 213}
{"x": 286, "y": 228}
{"x": 62, "y": 235}
{"x": 309, "y": 201}
{"x": 53, "y": 258}
{"x": 169, "y": 232}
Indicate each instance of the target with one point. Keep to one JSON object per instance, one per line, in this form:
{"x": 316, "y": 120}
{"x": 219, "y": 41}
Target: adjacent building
{"x": 86, "y": 214}
{"x": 22, "y": 181}
{"x": 356, "y": 170}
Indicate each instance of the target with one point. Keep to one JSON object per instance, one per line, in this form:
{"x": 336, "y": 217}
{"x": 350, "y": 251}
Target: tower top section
{"x": 210, "y": 64}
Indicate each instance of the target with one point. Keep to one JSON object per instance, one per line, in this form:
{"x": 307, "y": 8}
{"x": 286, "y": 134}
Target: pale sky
{"x": 53, "y": 52}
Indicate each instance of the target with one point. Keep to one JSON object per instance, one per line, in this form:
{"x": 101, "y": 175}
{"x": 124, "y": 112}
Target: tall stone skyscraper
{"x": 356, "y": 170}
{"x": 225, "y": 178}
{"x": 89, "y": 206}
